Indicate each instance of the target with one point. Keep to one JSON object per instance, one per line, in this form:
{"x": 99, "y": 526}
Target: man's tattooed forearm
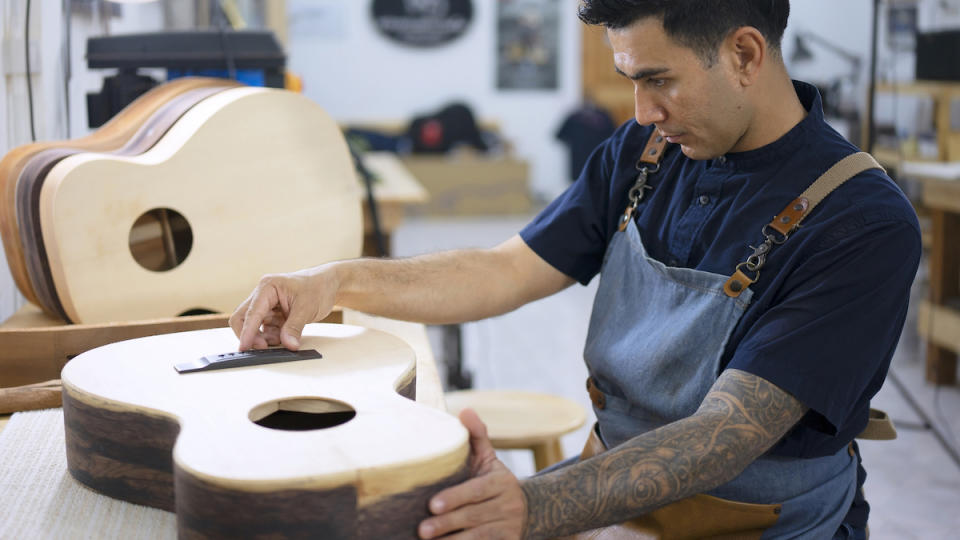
{"x": 741, "y": 417}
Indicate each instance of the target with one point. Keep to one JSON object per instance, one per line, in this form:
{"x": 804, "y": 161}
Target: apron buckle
{"x": 596, "y": 396}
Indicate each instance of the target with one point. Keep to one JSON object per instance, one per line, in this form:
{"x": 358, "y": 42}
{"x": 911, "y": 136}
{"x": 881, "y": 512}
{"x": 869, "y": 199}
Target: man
{"x": 725, "y": 405}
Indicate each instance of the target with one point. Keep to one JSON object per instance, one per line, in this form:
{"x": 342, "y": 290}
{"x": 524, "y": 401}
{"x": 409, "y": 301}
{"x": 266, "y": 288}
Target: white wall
{"x": 46, "y": 62}
{"x": 358, "y": 75}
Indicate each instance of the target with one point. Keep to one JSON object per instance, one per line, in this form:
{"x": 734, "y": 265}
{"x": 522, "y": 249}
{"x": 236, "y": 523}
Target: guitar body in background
{"x": 30, "y": 184}
{"x": 112, "y": 135}
{"x": 262, "y": 179}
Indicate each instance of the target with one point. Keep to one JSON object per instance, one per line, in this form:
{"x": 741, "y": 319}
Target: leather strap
{"x": 699, "y": 516}
{"x": 787, "y": 221}
{"x": 649, "y": 163}
{"x": 653, "y": 152}
{"x": 596, "y": 396}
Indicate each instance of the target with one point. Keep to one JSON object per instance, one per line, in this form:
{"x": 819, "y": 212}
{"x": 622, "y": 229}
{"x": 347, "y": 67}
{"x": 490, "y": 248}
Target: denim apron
{"x": 653, "y": 350}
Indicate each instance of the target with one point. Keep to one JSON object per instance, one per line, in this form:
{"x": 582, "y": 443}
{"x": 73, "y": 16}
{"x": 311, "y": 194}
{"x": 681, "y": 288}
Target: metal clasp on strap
{"x": 648, "y": 164}
{"x": 636, "y": 193}
{"x": 787, "y": 221}
{"x": 774, "y": 233}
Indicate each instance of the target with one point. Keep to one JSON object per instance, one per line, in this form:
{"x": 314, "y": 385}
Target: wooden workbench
{"x": 395, "y": 189}
{"x": 938, "y": 318}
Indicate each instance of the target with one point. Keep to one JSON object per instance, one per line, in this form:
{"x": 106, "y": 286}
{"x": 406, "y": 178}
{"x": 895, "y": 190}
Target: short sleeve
{"x": 570, "y": 233}
{"x": 828, "y": 337}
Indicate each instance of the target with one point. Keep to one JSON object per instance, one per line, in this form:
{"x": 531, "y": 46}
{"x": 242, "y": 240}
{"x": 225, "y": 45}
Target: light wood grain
{"x": 392, "y": 445}
{"x": 395, "y": 189}
{"x": 34, "y": 174}
{"x": 111, "y": 135}
{"x": 942, "y": 194}
{"x": 429, "y": 387}
{"x": 940, "y": 325}
{"x": 34, "y": 346}
{"x": 944, "y": 264}
{"x": 519, "y": 419}
{"x": 263, "y": 177}
{"x": 31, "y": 397}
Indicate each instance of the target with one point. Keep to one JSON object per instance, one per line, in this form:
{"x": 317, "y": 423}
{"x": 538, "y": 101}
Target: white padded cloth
{"x": 39, "y": 499}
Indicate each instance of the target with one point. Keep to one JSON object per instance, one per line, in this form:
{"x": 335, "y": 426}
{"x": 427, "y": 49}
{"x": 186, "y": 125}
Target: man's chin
{"x": 695, "y": 152}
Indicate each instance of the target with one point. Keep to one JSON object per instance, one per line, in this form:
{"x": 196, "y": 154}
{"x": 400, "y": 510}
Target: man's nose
{"x": 646, "y": 109}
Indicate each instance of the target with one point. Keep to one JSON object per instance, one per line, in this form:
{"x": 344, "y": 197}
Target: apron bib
{"x": 653, "y": 350}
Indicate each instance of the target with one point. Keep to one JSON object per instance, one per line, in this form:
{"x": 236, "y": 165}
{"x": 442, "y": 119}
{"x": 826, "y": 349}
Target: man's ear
{"x": 747, "y": 52}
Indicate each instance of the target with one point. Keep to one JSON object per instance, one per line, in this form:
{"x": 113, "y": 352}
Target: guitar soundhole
{"x": 302, "y": 414}
{"x": 160, "y": 239}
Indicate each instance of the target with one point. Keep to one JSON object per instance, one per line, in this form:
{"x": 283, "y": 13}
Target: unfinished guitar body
{"x": 34, "y": 173}
{"x": 261, "y": 180}
{"x": 114, "y": 134}
{"x": 138, "y": 430}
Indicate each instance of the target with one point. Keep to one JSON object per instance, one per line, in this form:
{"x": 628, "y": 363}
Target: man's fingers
{"x": 481, "y": 449}
{"x": 300, "y": 314}
{"x": 468, "y": 517}
{"x": 259, "y": 341}
{"x": 472, "y": 491}
{"x": 264, "y": 298}
{"x": 236, "y": 320}
{"x": 271, "y": 334}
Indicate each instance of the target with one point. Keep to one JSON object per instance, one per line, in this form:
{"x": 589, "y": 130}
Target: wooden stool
{"x": 522, "y": 420}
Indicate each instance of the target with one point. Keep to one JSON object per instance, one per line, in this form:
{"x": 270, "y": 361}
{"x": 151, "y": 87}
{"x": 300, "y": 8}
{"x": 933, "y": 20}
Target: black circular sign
{"x": 422, "y": 23}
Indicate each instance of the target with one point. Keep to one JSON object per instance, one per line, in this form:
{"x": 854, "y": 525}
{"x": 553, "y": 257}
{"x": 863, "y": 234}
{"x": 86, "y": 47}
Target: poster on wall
{"x": 422, "y": 23}
{"x": 527, "y": 44}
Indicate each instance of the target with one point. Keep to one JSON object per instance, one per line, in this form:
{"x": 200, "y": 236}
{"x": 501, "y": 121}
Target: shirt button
{"x": 722, "y": 159}
{"x": 704, "y": 200}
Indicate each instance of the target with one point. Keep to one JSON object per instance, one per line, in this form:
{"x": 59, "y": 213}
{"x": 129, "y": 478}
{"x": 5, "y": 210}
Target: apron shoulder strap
{"x": 879, "y": 425}
{"x": 836, "y": 175}
{"x": 787, "y": 221}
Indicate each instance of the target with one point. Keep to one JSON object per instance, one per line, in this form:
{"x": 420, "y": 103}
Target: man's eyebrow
{"x": 642, "y": 74}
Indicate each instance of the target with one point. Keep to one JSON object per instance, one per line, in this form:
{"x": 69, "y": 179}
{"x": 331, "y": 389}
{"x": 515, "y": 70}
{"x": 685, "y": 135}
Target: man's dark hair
{"x": 700, "y": 25}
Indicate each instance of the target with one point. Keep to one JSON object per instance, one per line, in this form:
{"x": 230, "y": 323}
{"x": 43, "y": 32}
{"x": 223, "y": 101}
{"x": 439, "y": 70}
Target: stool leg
{"x": 547, "y": 453}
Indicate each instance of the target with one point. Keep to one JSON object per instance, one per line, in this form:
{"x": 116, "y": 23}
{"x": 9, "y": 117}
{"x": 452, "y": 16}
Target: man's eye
{"x": 657, "y": 82}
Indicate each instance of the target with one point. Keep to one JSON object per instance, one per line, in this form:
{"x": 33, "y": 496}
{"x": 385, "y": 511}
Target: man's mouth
{"x": 670, "y": 137}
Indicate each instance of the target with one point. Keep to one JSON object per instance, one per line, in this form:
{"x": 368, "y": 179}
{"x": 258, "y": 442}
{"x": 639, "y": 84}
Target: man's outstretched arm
{"x": 438, "y": 288}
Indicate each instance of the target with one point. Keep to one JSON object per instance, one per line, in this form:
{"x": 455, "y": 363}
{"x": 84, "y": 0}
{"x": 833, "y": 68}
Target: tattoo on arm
{"x": 740, "y": 418}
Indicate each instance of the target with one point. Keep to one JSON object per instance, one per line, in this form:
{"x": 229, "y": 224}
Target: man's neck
{"x": 777, "y": 111}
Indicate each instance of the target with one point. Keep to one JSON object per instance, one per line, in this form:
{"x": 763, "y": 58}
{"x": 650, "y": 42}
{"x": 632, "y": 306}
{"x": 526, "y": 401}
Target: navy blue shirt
{"x": 829, "y": 305}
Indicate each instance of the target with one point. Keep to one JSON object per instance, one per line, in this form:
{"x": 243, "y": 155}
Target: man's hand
{"x": 277, "y": 310}
{"x": 489, "y": 505}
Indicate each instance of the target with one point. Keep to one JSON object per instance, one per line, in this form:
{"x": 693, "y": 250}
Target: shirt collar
{"x": 788, "y": 143}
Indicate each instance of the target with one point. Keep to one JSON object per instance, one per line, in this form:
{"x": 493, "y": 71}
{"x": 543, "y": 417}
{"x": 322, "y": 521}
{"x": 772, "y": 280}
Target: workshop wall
{"x": 357, "y": 74}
